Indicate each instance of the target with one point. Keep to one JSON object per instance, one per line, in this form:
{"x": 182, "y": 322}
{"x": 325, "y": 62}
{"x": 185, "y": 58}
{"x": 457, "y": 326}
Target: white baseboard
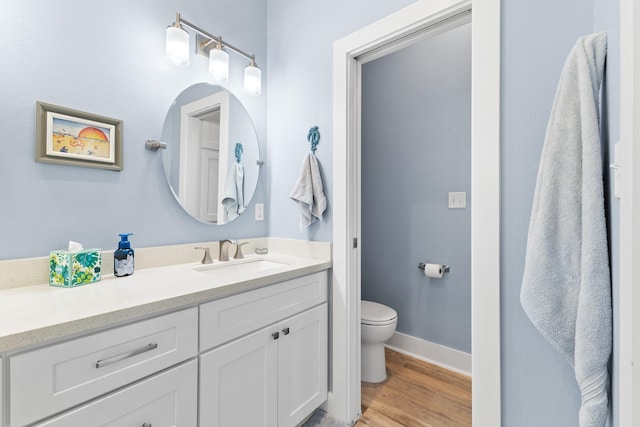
{"x": 449, "y": 358}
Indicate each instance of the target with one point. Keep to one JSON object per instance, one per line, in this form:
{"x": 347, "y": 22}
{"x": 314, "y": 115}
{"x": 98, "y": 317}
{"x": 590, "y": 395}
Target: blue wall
{"x": 300, "y": 55}
{"x": 416, "y": 147}
{"x": 538, "y": 387}
{"x": 108, "y": 58}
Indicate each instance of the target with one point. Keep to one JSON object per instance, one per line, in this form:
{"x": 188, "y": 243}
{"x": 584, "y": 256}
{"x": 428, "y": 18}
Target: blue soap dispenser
{"x": 123, "y": 257}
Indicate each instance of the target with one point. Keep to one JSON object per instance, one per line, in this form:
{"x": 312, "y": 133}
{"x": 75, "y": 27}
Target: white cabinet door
{"x": 238, "y": 382}
{"x": 302, "y": 365}
{"x": 168, "y": 399}
{"x": 274, "y": 377}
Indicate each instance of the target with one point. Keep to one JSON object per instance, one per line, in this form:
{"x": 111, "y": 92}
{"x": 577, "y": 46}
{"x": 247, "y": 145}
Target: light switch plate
{"x": 259, "y": 212}
{"x": 458, "y": 200}
{"x": 616, "y": 170}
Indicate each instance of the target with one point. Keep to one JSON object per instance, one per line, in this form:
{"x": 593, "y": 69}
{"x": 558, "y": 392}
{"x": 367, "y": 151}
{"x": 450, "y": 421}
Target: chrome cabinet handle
{"x": 286, "y": 331}
{"x": 114, "y": 359}
{"x": 275, "y": 335}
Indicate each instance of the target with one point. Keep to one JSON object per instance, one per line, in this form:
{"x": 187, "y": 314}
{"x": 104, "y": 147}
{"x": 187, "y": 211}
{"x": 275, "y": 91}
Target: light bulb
{"x": 177, "y": 46}
{"x": 218, "y": 65}
{"x": 252, "y": 80}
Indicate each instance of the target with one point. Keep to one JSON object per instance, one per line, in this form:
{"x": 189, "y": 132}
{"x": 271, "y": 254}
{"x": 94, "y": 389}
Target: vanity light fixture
{"x": 252, "y": 79}
{"x": 177, "y": 53}
{"x": 177, "y": 45}
{"x": 218, "y": 64}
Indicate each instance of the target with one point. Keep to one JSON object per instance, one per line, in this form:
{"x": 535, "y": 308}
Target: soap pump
{"x": 123, "y": 257}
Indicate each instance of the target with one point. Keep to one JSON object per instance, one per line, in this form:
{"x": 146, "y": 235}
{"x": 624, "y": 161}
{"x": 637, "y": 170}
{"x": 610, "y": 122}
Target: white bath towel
{"x": 566, "y": 289}
{"x": 233, "y": 200}
{"x": 308, "y": 192}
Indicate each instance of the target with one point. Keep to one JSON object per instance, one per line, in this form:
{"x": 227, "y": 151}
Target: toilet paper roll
{"x": 434, "y": 270}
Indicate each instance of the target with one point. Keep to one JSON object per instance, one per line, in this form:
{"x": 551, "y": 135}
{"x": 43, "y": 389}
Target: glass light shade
{"x": 252, "y": 80}
{"x": 177, "y": 46}
{"x": 218, "y": 65}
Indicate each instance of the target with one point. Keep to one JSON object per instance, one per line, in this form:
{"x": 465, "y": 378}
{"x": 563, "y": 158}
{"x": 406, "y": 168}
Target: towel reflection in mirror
{"x": 233, "y": 199}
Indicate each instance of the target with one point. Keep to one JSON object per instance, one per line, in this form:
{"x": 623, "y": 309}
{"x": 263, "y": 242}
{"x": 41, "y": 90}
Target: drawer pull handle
{"x": 114, "y": 359}
{"x": 275, "y": 335}
{"x": 146, "y": 425}
{"x": 286, "y": 331}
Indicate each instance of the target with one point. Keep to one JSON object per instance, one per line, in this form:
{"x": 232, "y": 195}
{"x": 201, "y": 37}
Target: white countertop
{"x": 34, "y": 314}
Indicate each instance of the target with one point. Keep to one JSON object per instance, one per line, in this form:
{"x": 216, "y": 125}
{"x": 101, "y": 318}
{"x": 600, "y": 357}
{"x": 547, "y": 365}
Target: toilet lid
{"x": 372, "y": 313}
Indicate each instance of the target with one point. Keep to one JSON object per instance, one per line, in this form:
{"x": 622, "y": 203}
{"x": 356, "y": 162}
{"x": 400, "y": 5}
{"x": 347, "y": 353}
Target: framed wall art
{"x": 71, "y": 137}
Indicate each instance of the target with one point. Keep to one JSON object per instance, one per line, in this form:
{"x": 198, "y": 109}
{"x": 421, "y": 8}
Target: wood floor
{"x": 416, "y": 393}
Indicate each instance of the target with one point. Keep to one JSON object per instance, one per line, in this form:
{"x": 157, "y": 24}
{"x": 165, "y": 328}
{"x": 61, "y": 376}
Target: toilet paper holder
{"x": 445, "y": 268}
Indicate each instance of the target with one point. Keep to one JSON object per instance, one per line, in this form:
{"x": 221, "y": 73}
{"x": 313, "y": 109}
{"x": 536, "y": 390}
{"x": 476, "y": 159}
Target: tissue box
{"x": 74, "y": 268}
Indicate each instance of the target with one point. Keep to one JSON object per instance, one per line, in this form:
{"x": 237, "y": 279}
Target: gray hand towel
{"x": 308, "y": 192}
{"x": 233, "y": 200}
{"x": 566, "y": 289}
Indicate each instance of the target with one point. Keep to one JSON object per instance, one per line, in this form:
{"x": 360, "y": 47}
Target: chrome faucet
{"x": 206, "y": 259}
{"x": 223, "y": 254}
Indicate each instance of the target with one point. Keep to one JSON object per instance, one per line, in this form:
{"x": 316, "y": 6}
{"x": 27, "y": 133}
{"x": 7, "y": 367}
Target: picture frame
{"x": 71, "y": 137}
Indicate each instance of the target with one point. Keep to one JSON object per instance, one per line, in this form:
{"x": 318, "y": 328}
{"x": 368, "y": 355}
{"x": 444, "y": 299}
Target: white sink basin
{"x": 243, "y": 266}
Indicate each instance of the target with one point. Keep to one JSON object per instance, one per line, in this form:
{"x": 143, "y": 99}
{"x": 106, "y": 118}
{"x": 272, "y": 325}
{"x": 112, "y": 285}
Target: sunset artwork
{"x": 69, "y": 137}
{"x": 79, "y": 138}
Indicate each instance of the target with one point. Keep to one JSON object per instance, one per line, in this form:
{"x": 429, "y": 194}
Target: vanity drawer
{"x": 49, "y": 380}
{"x": 168, "y": 399}
{"x": 228, "y": 318}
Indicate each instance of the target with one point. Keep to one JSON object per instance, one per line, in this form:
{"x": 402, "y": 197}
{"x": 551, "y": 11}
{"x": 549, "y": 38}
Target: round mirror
{"x": 211, "y": 159}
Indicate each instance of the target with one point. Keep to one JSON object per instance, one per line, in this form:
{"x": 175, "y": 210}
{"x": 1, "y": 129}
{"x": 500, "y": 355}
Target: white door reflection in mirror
{"x": 204, "y": 141}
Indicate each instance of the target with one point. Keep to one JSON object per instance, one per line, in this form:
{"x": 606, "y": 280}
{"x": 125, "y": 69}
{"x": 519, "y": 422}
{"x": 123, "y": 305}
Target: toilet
{"x": 377, "y": 325}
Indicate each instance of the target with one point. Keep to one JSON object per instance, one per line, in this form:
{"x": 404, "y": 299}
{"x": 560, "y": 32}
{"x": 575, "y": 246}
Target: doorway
{"x": 415, "y": 155}
{"x": 400, "y": 29}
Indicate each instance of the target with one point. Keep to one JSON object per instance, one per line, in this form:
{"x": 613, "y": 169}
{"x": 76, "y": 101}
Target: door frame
{"x": 628, "y": 388}
{"x": 344, "y": 397}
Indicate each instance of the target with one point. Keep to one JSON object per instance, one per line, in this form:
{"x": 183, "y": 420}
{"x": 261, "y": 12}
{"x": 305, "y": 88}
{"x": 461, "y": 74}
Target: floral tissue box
{"x": 74, "y": 268}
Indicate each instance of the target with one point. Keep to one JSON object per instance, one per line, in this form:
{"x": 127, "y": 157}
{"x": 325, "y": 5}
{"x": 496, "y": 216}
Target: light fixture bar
{"x": 201, "y": 45}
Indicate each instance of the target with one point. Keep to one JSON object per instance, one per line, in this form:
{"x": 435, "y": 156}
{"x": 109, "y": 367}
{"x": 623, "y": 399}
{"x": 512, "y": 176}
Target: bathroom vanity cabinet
{"x": 257, "y": 357}
{"x": 268, "y": 365}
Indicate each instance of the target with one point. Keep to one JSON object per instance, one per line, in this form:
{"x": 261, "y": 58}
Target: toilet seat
{"x": 374, "y": 314}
